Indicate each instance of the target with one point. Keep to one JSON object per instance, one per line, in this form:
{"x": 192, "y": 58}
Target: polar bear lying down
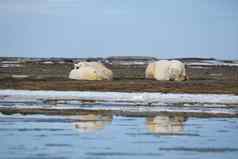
{"x": 90, "y": 71}
{"x": 166, "y": 70}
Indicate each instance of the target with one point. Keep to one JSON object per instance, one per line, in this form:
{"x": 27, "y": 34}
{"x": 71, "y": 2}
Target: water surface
{"x": 105, "y": 136}
{"x": 117, "y": 125}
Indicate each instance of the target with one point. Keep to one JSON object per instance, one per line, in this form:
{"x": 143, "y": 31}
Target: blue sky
{"x": 101, "y": 28}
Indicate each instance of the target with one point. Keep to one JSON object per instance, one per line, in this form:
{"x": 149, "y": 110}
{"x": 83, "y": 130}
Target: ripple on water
{"x": 200, "y": 149}
{"x": 40, "y": 129}
{"x": 121, "y": 154}
{"x": 58, "y": 145}
{"x": 162, "y": 134}
{"x": 121, "y": 137}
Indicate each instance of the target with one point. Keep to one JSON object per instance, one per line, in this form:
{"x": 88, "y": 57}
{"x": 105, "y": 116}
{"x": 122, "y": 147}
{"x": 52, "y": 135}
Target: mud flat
{"x": 73, "y": 112}
{"x": 193, "y": 86}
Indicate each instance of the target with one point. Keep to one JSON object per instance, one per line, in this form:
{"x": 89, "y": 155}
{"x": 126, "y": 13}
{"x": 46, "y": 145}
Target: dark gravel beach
{"x": 196, "y": 86}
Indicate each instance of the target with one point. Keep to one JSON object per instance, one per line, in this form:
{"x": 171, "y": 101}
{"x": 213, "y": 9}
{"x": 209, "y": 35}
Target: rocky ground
{"x": 206, "y": 76}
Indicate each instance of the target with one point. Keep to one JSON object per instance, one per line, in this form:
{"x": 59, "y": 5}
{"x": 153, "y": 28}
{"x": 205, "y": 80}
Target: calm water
{"x": 97, "y": 136}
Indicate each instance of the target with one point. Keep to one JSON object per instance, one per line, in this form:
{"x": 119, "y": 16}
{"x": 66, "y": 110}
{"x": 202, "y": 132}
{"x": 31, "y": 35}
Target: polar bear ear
{"x": 75, "y": 66}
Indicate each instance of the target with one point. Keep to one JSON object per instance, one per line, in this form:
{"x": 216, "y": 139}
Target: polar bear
{"x": 149, "y": 72}
{"x": 173, "y": 70}
{"x": 90, "y": 71}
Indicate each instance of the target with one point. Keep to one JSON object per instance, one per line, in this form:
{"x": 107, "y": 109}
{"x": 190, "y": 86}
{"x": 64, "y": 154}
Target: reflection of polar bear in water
{"x": 166, "y": 70}
{"x": 90, "y": 71}
{"x": 165, "y": 124}
{"x": 92, "y": 122}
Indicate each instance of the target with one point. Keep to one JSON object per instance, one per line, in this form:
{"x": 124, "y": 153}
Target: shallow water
{"x": 100, "y": 136}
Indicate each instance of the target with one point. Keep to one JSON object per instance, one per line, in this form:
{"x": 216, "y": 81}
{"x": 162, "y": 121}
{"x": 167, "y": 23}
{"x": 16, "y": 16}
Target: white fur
{"x": 90, "y": 71}
{"x": 149, "y": 72}
{"x": 166, "y": 70}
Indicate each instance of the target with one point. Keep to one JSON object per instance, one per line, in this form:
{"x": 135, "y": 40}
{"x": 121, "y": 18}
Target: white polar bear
{"x": 166, "y": 70}
{"x": 149, "y": 72}
{"x": 90, "y": 71}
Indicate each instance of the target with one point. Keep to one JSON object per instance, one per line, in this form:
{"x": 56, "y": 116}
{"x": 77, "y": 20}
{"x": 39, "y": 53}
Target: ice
{"x": 120, "y": 96}
{"x": 211, "y": 63}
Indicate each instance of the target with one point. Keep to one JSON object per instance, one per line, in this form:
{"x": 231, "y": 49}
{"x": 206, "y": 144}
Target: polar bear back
{"x": 85, "y": 73}
{"x": 149, "y": 72}
{"x": 166, "y": 70}
{"x": 90, "y": 71}
{"x": 161, "y": 70}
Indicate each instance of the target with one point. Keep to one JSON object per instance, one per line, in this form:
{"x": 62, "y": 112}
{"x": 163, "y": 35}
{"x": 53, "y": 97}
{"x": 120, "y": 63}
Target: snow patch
{"x": 120, "y": 96}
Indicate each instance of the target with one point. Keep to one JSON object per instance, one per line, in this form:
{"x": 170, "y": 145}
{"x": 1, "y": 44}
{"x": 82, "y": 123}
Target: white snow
{"x": 10, "y": 65}
{"x": 211, "y": 63}
{"x": 120, "y": 96}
